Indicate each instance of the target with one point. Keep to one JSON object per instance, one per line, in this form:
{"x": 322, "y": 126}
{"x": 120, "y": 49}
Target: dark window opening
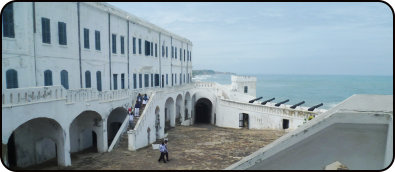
{"x": 11, "y": 78}
{"x": 47, "y": 78}
{"x": 146, "y": 80}
{"x": 114, "y": 43}
{"x": 139, "y": 46}
{"x": 245, "y": 89}
{"x": 97, "y": 40}
{"x": 156, "y": 79}
{"x": 46, "y": 30}
{"x": 62, "y": 33}
{"x": 134, "y": 81}
{"x": 64, "y": 79}
{"x": 86, "y": 38}
{"x": 98, "y": 80}
{"x": 152, "y": 80}
{"x": 122, "y": 81}
{"x": 87, "y": 79}
{"x": 115, "y": 78}
{"x": 140, "y": 81}
{"x": 8, "y": 21}
{"x": 122, "y": 45}
{"x": 134, "y": 45}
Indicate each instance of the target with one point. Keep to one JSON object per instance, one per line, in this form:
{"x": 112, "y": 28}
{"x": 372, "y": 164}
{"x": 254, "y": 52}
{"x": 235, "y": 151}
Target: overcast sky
{"x": 279, "y": 38}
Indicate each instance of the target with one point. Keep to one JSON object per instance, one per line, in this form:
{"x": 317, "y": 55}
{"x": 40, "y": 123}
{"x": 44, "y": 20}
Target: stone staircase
{"x": 135, "y": 119}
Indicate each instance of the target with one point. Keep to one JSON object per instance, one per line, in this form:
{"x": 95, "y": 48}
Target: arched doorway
{"x": 178, "y": 109}
{"x": 157, "y": 122}
{"x": 84, "y": 131}
{"x": 37, "y": 141}
{"x": 169, "y": 114}
{"x": 114, "y": 122}
{"x": 203, "y": 110}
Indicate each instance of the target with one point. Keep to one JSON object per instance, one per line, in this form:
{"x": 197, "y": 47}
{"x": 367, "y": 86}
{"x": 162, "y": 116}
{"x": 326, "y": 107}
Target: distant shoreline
{"x": 209, "y": 72}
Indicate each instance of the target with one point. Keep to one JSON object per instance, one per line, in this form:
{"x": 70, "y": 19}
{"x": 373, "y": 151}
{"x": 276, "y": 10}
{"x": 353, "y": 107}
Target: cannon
{"x": 264, "y": 102}
{"x": 278, "y": 104}
{"x": 253, "y": 100}
{"x": 297, "y": 104}
{"x": 313, "y": 107}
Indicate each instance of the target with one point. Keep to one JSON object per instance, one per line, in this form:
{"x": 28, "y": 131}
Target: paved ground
{"x": 197, "y": 147}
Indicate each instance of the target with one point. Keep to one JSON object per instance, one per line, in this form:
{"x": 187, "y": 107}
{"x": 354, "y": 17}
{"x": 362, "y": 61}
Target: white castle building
{"x": 70, "y": 71}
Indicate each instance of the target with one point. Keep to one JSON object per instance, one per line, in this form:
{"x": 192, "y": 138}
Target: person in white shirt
{"x": 162, "y": 149}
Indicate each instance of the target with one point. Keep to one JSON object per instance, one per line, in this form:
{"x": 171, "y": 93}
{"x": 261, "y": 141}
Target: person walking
{"x": 139, "y": 98}
{"x": 162, "y": 149}
{"x": 145, "y": 100}
{"x": 137, "y": 109}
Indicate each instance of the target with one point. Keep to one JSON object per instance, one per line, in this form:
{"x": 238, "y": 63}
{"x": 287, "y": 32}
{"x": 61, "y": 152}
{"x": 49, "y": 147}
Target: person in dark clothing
{"x": 162, "y": 149}
{"x": 137, "y": 109}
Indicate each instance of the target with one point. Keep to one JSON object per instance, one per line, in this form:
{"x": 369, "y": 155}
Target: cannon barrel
{"x": 264, "y": 102}
{"x": 297, "y": 104}
{"x": 253, "y": 100}
{"x": 285, "y": 101}
{"x": 313, "y": 107}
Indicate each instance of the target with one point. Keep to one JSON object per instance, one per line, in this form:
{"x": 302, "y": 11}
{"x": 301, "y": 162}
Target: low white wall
{"x": 260, "y": 116}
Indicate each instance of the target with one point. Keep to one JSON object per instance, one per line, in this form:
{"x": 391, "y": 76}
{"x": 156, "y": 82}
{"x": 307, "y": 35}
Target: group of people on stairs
{"x": 141, "y": 101}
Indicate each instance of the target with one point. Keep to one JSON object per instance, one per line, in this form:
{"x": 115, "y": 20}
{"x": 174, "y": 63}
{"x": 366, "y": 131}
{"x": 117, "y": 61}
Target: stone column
{"x": 63, "y": 149}
{"x": 103, "y": 142}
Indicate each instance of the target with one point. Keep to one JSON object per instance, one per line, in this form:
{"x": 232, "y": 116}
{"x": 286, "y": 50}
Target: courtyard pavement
{"x": 197, "y": 147}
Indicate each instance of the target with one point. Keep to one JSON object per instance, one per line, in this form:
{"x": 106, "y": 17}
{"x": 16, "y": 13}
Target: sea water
{"x": 313, "y": 89}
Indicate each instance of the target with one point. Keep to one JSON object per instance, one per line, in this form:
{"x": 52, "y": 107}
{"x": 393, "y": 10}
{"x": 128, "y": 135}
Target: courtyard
{"x": 197, "y": 147}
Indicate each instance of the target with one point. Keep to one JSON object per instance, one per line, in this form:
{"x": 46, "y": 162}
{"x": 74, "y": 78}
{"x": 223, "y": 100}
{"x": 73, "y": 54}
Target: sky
{"x": 314, "y": 38}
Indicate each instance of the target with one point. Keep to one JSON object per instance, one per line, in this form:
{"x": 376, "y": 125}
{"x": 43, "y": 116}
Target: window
{"x": 175, "y": 49}
{"x": 140, "y": 80}
{"x": 187, "y": 56}
{"x": 156, "y": 79}
{"x": 11, "y": 78}
{"x": 188, "y": 77}
{"x": 167, "y": 79}
{"x": 97, "y": 40}
{"x": 134, "y": 81}
{"x": 47, "y": 78}
{"x": 184, "y": 77}
{"x": 163, "y": 81}
{"x": 175, "y": 79}
{"x": 190, "y": 56}
{"x": 172, "y": 52}
{"x": 166, "y": 52}
{"x": 98, "y": 80}
{"x": 86, "y": 38}
{"x": 180, "y": 54}
{"x": 115, "y": 77}
{"x": 163, "y": 51}
{"x": 62, "y": 33}
{"x": 134, "y": 45}
{"x": 146, "y": 80}
{"x": 8, "y": 21}
{"x": 64, "y": 79}
{"x": 152, "y": 49}
{"x": 114, "y": 43}
{"x": 122, "y": 45}
{"x": 46, "y": 31}
{"x": 152, "y": 80}
{"x": 245, "y": 89}
{"x": 180, "y": 78}
{"x": 122, "y": 81}
{"x": 139, "y": 46}
{"x": 156, "y": 50}
{"x": 147, "y": 48}
{"x": 183, "y": 56}
{"x": 87, "y": 79}
{"x": 172, "y": 79}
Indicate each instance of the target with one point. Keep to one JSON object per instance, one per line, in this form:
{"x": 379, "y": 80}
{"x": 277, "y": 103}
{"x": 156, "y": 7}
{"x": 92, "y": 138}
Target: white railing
{"x": 119, "y": 133}
{"x": 20, "y": 96}
{"x": 266, "y": 109}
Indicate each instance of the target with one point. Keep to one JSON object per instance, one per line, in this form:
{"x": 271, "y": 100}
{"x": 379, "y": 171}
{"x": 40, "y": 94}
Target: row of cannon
{"x": 285, "y": 101}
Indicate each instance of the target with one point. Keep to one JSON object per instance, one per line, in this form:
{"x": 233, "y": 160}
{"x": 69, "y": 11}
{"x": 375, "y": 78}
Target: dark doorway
{"x": 11, "y": 151}
{"x": 167, "y": 120}
{"x": 114, "y": 127}
{"x": 243, "y": 120}
{"x": 203, "y": 108}
{"x": 94, "y": 141}
{"x": 285, "y": 123}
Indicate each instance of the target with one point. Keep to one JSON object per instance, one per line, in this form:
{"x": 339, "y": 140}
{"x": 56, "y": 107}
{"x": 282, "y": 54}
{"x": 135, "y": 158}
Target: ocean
{"x": 313, "y": 89}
